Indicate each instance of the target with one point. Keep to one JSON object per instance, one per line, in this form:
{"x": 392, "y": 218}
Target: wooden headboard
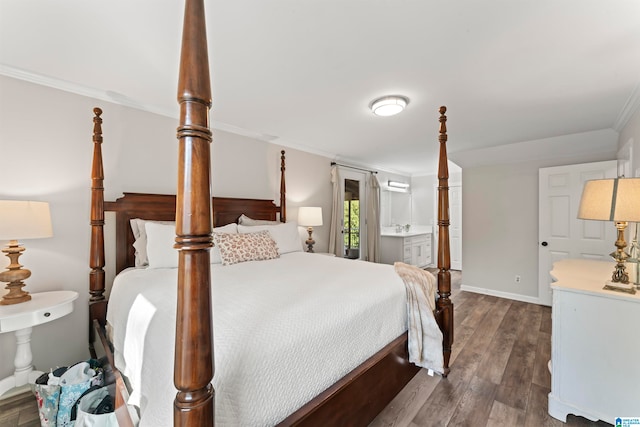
{"x": 162, "y": 207}
{"x": 159, "y": 207}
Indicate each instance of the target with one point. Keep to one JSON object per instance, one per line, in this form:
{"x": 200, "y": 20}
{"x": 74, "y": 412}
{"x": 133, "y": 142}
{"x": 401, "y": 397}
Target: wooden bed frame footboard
{"x": 355, "y": 399}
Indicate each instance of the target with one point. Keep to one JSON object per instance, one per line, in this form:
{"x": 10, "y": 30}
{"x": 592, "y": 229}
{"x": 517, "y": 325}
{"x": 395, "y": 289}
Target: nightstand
{"x": 20, "y": 318}
{"x": 594, "y": 344}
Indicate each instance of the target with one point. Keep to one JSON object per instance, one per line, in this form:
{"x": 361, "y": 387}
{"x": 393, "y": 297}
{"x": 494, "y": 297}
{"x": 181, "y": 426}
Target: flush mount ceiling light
{"x": 389, "y": 105}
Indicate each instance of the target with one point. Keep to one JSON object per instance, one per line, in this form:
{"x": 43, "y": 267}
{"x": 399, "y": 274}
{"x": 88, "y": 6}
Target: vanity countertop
{"x": 404, "y": 233}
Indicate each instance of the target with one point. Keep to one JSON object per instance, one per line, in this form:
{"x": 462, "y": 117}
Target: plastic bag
{"x": 47, "y": 396}
{"x": 58, "y": 391}
{"x": 73, "y": 383}
{"x": 95, "y": 409}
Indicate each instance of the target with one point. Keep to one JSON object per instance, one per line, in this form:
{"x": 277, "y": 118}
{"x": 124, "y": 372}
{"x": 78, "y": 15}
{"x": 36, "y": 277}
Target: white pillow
{"x": 140, "y": 234}
{"x": 160, "y": 241}
{"x": 285, "y": 235}
{"x": 161, "y": 238}
{"x": 245, "y": 220}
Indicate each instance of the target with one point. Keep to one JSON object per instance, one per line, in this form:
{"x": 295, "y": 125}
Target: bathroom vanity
{"x": 410, "y": 247}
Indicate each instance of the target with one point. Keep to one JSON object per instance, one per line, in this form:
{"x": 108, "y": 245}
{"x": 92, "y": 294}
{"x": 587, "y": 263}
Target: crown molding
{"x": 630, "y": 108}
{"x": 119, "y": 99}
{"x": 78, "y": 89}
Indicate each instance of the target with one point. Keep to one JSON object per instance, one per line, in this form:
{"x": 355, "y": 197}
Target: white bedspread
{"x": 284, "y": 331}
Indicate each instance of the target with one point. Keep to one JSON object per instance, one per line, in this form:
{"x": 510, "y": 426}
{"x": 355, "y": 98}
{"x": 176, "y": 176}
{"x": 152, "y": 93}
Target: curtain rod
{"x": 352, "y": 167}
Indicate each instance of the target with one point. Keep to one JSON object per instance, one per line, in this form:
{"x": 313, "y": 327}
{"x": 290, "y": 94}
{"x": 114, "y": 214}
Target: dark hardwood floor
{"x": 20, "y": 410}
{"x": 499, "y": 374}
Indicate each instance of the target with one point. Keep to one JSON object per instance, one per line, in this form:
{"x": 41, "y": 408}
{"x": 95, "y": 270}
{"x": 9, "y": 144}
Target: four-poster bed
{"x": 354, "y": 399}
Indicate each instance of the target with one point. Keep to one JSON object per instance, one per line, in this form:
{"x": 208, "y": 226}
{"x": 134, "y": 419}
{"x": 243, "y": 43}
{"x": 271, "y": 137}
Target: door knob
{"x": 544, "y": 243}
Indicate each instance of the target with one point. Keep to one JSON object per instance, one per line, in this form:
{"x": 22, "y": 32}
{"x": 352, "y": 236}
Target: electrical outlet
{"x": 518, "y": 278}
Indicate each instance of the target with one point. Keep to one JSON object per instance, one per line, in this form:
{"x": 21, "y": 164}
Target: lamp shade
{"x": 616, "y": 199}
{"x": 310, "y": 216}
{"x": 24, "y": 220}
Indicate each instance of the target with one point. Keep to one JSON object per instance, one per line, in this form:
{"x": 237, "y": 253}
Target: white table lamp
{"x": 310, "y": 217}
{"x": 20, "y": 220}
{"x": 615, "y": 200}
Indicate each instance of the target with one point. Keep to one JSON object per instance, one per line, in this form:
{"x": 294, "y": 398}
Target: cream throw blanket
{"x": 425, "y": 337}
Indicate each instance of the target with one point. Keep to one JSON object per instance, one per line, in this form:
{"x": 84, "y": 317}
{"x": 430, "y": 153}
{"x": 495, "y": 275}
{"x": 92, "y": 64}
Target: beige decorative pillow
{"x": 235, "y": 248}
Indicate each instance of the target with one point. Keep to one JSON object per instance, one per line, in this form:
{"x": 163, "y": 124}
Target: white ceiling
{"x": 302, "y": 73}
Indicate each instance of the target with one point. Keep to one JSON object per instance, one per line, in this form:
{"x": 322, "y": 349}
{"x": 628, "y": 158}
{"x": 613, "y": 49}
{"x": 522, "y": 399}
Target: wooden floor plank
{"x": 475, "y": 405}
{"x": 9, "y": 419}
{"x": 545, "y": 325}
{"x": 537, "y": 413}
{"x": 478, "y": 311}
{"x": 541, "y": 374}
{"x": 441, "y": 405}
{"x": 487, "y": 324}
{"x": 462, "y": 311}
{"x": 19, "y": 411}
{"x": 466, "y": 327}
{"x": 519, "y": 369}
{"x": 29, "y": 418}
{"x": 408, "y": 402}
{"x": 461, "y": 336}
{"x": 502, "y": 415}
{"x": 499, "y": 350}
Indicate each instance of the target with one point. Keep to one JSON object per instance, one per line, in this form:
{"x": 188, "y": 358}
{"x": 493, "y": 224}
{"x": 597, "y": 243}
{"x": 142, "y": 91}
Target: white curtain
{"x": 373, "y": 219}
{"x": 337, "y": 210}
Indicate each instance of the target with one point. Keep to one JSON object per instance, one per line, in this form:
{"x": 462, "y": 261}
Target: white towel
{"x": 425, "y": 337}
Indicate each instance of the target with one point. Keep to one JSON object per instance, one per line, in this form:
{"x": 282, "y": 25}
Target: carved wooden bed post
{"x": 193, "y": 369}
{"x": 445, "y": 306}
{"x": 97, "y": 301}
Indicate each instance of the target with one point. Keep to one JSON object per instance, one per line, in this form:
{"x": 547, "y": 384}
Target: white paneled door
{"x": 561, "y": 234}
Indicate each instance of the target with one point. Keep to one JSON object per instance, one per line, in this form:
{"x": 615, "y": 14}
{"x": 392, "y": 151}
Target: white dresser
{"x": 595, "y": 344}
{"x": 408, "y": 247}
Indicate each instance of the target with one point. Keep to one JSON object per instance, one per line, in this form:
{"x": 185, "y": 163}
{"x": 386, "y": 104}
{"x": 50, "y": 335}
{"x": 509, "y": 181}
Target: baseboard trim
{"x": 500, "y": 294}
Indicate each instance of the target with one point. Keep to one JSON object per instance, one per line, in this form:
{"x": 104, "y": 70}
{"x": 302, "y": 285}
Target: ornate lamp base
{"x": 620, "y": 287}
{"x": 620, "y": 279}
{"x": 14, "y": 274}
{"x": 310, "y": 242}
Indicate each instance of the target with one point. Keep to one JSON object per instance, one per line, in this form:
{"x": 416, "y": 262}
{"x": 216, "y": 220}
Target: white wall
{"x": 45, "y": 144}
{"x": 500, "y": 216}
{"x": 422, "y": 207}
{"x": 424, "y": 189}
